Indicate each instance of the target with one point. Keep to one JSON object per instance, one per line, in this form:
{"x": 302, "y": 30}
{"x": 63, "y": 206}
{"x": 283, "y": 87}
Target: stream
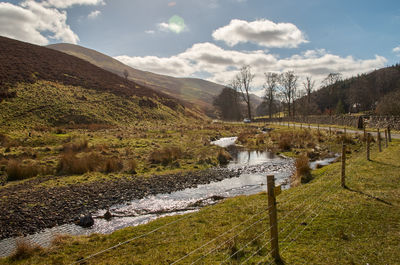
{"x": 253, "y": 167}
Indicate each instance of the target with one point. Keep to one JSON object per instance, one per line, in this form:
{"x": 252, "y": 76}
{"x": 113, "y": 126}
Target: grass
{"x": 321, "y": 222}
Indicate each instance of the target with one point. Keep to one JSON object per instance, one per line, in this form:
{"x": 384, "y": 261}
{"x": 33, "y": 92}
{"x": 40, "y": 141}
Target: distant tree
{"x": 340, "y": 107}
{"x": 228, "y": 104}
{"x": 270, "y": 87}
{"x": 389, "y": 104}
{"x": 288, "y": 82}
{"x": 308, "y": 87}
{"x": 244, "y": 79}
{"x": 126, "y": 74}
{"x": 332, "y": 78}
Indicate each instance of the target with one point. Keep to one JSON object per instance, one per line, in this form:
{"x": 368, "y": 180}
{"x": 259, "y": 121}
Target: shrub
{"x": 16, "y": 170}
{"x": 112, "y": 164}
{"x": 303, "y": 171}
{"x": 24, "y": 250}
{"x": 165, "y": 155}
{"x": 285, "y": 141}
{"x": 223, "y": 157}
{"x": 76, "y": 146}
{"x": 132, "y": 166}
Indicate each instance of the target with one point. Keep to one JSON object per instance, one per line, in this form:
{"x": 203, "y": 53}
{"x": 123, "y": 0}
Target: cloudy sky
{"x": 212, "y": 39}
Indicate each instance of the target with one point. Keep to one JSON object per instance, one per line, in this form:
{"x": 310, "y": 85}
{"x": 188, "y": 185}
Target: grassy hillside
{"x": 41, "y": 86}
{"x": 47, "y": 103}
{"x": 319, "y": 223}
{"x": 197, "y": 92}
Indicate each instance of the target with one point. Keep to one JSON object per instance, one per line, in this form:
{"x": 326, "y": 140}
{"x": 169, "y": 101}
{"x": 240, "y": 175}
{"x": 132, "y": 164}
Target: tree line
{"x": 285, "y": 95}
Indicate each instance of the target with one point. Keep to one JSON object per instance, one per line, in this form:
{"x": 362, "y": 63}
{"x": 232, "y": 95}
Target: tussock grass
{"x": 17, "y": 170}
{"x": 24, "y": 250}
{"x": 165, "y": 155}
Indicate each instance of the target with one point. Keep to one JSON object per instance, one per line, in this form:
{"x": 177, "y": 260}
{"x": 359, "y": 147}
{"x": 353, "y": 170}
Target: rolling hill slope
{"x": 194, "y": 91}
{"x": 41, "y": 86}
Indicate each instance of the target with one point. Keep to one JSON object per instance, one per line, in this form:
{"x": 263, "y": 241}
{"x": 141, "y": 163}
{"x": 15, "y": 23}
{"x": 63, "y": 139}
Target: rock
{"x": 86, "y": 221}
{"x": 107, "y": 215}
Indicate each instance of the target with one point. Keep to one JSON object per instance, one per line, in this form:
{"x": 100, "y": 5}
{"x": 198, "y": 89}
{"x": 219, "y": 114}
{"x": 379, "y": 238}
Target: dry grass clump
{"x": 303, "y": 171}
{"x": 112, "y": 164}
{"x": 76, "y": 146}
{"x": 24, "y": 250}
{"x": 70, "y": 163}
{"x": 132, "y": 166}
{"x": 58, "y": 239}
{"x": 223, "y": 157}
{"x": 165, "y": 155}
{"x": 17, "y": 170}
{"x": 285, "y": 141}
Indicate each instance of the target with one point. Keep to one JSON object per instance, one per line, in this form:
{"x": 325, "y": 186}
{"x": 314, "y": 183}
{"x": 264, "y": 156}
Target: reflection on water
{"x": 253, "y": 166}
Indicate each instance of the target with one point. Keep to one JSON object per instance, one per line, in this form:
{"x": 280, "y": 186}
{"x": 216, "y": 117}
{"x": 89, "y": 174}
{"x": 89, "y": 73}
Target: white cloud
{"x": 223, "y": 64}
{"x": 150, "y": 32}
{"x": 94, "y": 14}
{"x": 175, "y": 24}
{"x": 30, "y": 19}
{"x": 397, "y": 50}
{"x": 262, "y": 32}
{"x": 69, "y": 3}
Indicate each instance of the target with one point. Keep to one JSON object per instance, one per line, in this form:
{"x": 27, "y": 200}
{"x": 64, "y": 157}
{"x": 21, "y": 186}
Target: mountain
{"x": 42, "y": 86}
{"x": 193, "y": 91}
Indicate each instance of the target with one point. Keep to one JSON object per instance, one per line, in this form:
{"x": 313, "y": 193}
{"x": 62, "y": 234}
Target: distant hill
{"x": 357, "y": 94}
{"x": 194, "y": 91}
{"x": 44, "y": 86}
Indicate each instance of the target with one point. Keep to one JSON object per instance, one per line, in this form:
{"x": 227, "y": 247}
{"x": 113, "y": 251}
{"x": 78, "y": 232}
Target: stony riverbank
{"x": 28, "y": 207}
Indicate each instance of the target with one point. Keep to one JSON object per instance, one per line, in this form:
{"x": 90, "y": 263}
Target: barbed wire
{"x": 214, "y": 239}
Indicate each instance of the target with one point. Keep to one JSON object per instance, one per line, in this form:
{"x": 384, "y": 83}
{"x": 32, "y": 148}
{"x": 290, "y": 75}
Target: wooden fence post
{"x": 389, "y": 134}
{"x": 330, "y": 131}
{"x": 365, "y": 133}
{"x": 343, "y": 179}
{"x": 288, "y": 124}
{"x": 386, "y": 138}
{"x": 379, "y": 141}
{"x": 368, "y": 145}
{"x": 273, "y": 218}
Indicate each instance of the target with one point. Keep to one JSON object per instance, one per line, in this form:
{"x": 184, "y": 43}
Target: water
{"x": 252, "y": 165}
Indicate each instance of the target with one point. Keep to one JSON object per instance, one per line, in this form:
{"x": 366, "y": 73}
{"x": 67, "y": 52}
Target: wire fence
{"x": 298, "y": 215}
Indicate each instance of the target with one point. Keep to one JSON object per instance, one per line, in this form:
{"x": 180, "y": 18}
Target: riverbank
{"x": 321, "y": 222}
{"x": 29, "y": 207}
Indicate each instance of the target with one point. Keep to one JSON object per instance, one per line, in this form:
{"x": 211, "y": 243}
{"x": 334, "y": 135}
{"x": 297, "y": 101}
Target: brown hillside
{"x": 24, "y": 62}
{"x": 195, "y": 92}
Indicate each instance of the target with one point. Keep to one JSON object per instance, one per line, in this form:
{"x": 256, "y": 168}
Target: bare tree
{"x": 288, "y": 81}
{"x": 270, "y": 87}
{"x": 244, "y": 79}
{"x": 308, "y": 87}
{"x": 331, "y": 79}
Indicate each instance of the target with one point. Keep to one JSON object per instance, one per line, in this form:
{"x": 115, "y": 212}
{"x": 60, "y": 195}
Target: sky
{"x": 213, "y": 39}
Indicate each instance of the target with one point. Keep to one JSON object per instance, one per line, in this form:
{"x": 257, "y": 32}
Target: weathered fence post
{"x": 368, "y": 145}
{"x": 365, "y": 133}
{"x": 273, "y": 218}
{"x": 330, "y": 131}
{"x": 344, "y": 131}
{"x": 343, "y": 179}
{"x": 379, "y": 141}
{"x": 386, "y": 138}
{"x": 301, "y": 125}
{"x": 318, "y": 127}
{"x": 389, "y": 134}
{"x": 288, "y": 124}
